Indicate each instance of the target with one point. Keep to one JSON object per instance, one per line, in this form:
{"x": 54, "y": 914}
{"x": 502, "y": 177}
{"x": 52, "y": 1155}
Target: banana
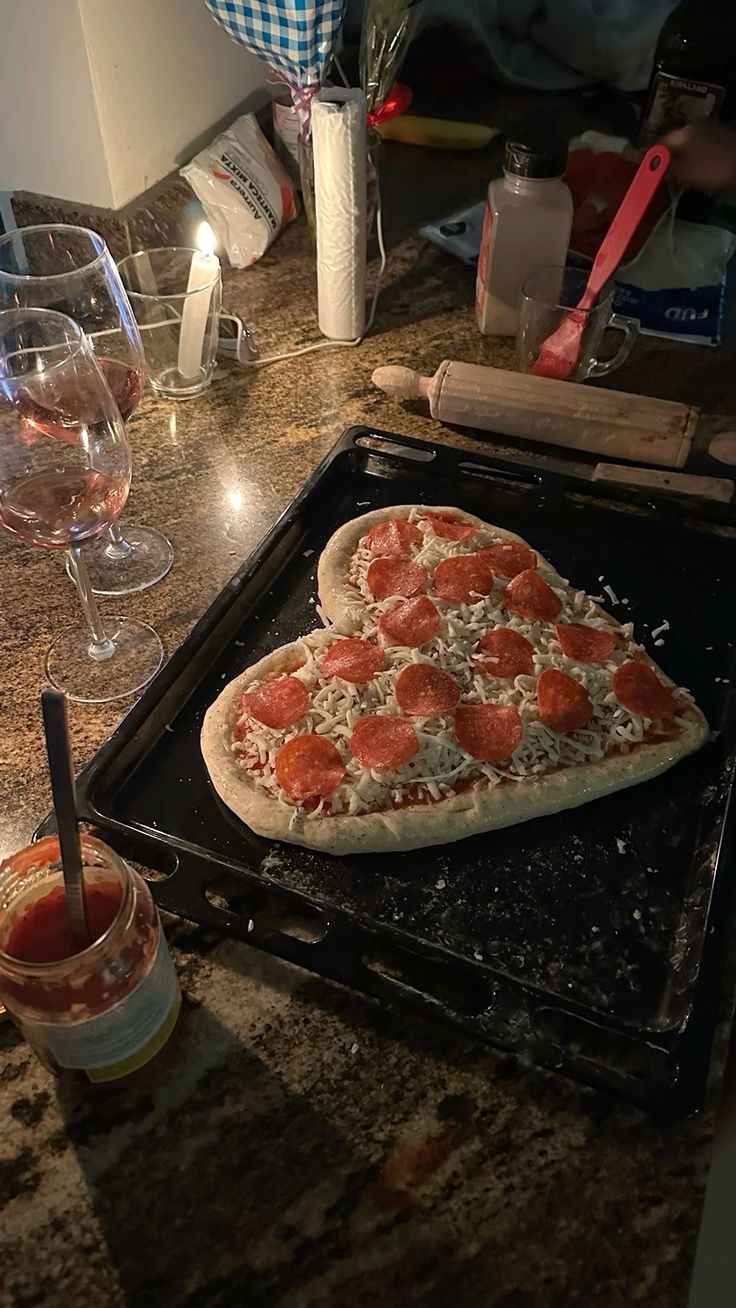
{"x": 438, "y": 133}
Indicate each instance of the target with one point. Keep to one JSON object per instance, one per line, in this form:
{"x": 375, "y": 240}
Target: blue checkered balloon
{"x": 296, "y": 37}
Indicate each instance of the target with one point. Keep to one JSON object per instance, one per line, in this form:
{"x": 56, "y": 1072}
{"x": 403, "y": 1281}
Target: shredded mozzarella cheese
{"x": 440, "y": 763}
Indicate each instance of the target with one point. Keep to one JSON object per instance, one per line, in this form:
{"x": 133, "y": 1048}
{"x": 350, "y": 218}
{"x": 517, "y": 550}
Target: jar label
{"x": 675, "y": 101}
{"x": 116, "y": 1042}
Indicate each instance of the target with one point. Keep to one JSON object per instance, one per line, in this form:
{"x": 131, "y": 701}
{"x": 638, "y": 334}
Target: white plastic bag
{"x": 244, "y": 189}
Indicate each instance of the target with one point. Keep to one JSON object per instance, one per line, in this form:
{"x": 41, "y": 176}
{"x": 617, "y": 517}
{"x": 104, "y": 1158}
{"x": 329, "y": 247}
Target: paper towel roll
{"x": 339, "y": 144}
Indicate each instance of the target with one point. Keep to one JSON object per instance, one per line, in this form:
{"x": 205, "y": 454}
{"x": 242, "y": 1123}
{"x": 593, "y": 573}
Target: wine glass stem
{"x": 117, "y": 546}
{"x": 101, "y": 647}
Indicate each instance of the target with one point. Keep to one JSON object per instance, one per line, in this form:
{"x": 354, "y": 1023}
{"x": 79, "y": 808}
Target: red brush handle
{"x": 636, "y": 201}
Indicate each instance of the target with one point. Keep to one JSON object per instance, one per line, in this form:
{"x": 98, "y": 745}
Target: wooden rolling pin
{"x": 612, "y": 423}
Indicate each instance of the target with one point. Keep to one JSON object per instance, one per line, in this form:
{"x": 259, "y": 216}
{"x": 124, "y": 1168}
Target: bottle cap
{"x": 533, "y": 155}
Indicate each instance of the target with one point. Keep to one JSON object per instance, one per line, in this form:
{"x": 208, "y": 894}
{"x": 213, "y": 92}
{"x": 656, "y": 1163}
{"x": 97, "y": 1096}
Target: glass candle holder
{"x": 99, "y": 1013}
{"x": 176, "y": 295}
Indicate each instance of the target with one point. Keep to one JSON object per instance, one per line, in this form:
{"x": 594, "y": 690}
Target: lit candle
{"x": 203, "y": 272}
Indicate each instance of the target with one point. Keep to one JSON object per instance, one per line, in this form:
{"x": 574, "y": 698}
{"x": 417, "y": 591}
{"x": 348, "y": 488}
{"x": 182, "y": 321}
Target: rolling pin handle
{"x": 402, "y": 383}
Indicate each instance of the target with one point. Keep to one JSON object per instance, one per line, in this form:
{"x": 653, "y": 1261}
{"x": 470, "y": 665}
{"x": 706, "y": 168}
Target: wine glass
{"x": 64, "y": 477}
{"x": 70, "y": 269}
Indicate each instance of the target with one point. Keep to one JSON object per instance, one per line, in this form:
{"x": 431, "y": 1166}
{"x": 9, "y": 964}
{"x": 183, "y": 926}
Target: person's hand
{"x": 703, "y": 157}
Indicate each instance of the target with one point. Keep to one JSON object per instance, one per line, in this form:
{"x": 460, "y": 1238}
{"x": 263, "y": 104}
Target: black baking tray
{"x": 591, "y": 942}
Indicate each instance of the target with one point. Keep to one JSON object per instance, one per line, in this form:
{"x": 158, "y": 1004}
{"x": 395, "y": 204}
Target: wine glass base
{"x": 136, "y": 657}
{"x": 119, "y": 571}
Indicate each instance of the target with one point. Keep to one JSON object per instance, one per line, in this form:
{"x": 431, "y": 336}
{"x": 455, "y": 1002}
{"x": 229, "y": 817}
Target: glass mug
{"x": 546, "y": 297}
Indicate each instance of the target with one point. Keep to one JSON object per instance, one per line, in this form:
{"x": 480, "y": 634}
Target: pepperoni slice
{"x": 638, "y": 688}
{"x": 423, "y": 689}
{"x": 394, "y": 539}
{"x": 490, "y": 732}
{"x": 449, "y": 529}
{"x": 529, "y": 596}
{"x": 410, "y": 622}
{"x": 462, "y": 579}
{"x": 388, "y": 577}
{"x": 509, "y": 557}
{"x": 506, "y": 653}
{"x": 354, "y": 660}
{"x": 382, "y": 742}
{"x": 276, "y": 703}
{"x": 308, "y": 766}
{"x": 564, "y": 705}
{"x": 585, "y": 644}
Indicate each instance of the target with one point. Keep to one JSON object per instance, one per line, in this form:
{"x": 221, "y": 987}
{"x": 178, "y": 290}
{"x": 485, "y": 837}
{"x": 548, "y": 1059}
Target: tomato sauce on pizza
{"x": 474, "y": 664}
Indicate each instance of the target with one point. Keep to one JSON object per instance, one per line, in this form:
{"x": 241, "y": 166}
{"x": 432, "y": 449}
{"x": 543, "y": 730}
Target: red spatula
{"x": 560, "y": 352}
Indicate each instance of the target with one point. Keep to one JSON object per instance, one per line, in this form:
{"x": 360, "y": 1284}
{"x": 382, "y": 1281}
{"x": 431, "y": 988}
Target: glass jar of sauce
{"x": 100, "y": 1012}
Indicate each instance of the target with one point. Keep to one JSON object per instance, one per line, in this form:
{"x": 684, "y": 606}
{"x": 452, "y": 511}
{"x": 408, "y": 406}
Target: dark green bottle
{"x": 694, "y": 68}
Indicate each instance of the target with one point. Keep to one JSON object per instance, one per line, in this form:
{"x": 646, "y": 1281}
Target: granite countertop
{"x": 301, "y": 1146}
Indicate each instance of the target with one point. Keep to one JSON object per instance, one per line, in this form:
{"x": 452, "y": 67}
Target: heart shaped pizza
{"x": 461, "y": 685}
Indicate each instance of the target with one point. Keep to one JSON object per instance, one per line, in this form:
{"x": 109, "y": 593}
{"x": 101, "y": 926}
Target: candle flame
{"x": 205, "y": 239}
